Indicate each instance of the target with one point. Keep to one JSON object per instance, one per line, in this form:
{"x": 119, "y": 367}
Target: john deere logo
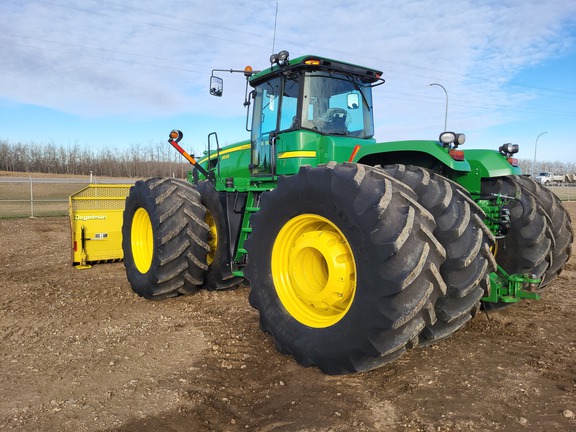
{"x": 89, "y": 217}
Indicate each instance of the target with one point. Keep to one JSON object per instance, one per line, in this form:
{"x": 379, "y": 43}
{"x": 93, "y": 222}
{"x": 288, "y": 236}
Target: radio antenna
{"x": 274, "y": 38}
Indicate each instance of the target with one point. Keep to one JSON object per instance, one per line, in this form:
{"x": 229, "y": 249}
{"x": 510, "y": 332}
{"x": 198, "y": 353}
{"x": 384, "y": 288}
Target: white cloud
{"x": 104, "y": 58}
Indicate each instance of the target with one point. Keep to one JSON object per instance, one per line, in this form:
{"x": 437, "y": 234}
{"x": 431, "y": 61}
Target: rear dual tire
{"x": 527, "y": 246}
{"x": 218, "y": 275}
{"x": 164, "y": 238}
{"x": 560, "y": 226}
{"x": 462, "y": 232}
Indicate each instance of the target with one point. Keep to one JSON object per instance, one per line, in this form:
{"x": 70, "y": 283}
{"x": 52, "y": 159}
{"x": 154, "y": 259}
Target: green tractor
{"x": 355, "y": 250}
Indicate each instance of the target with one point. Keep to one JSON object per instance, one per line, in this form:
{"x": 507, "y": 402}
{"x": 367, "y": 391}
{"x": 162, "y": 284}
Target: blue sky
{"x": 113, "y": 74}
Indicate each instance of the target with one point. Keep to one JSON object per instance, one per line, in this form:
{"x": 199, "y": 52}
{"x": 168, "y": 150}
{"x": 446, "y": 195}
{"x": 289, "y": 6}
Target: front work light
{"x": 447, "y": 138}
{"x": 509, "y": 149}
{"x": 281, "y": 59}
{"x": 460, "y": 139}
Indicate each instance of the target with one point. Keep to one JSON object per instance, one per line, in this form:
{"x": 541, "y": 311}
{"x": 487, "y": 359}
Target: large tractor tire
{"x": 164, "y": 238}
{"x": 467, "y": 240}
{"x": 343, "y": 267}
{"x": 218, "y": 275}
{"x": 527, "y": 247}
{"x": 560, "y": 223}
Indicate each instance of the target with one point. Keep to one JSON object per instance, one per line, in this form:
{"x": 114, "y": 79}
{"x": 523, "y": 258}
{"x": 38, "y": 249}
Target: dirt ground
{"x": 80, "y": 352}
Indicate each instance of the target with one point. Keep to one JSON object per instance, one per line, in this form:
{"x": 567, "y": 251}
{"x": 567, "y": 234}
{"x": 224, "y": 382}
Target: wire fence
{"x": 566, "y": 192}
{"x": 43, "y": 196}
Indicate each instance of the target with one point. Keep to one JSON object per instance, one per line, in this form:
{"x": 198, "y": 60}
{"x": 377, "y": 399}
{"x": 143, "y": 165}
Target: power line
{"x": 467, "y": 103}
{"x": 392, "y": 95}
{"x": 168, "y": 62}
{"x": 562, "y": 93}
{"x": 178, "y": 18}
{"x": 88, "y": 47}
{"x": 410, "y": 67}
{"x": 112, "y": 59}
{"x": 164, "y": 27}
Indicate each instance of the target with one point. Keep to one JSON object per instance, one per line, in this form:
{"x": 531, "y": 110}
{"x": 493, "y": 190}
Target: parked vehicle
{"x": 549, "y": 178}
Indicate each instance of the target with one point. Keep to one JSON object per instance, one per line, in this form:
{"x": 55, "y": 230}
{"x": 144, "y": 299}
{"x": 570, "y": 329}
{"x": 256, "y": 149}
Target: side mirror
{"x": 353, "y": 101}
{"x": 216, "y": 86}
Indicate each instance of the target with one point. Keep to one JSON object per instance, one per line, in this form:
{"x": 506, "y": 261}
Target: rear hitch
{"x": 498, "y": 218}
{"x": 513, "y": 288}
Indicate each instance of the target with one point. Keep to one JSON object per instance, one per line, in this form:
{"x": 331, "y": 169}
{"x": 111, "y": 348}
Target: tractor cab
{"x": 300, "y": 106}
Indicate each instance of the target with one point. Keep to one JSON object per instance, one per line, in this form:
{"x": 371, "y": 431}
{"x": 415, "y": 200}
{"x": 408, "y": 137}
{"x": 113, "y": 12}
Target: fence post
{"x": 31, "y": 200}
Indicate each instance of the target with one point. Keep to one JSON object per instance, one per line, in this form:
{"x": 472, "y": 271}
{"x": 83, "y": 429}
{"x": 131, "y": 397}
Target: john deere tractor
{"x": 355, "y": 250}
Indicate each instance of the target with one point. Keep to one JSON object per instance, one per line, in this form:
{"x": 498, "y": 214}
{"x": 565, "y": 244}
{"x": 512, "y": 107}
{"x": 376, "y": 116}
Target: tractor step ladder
{"x": 252, "y": 206}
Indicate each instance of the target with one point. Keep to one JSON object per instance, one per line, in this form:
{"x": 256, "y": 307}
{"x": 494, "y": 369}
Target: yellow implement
{"x": 96, "y": 223}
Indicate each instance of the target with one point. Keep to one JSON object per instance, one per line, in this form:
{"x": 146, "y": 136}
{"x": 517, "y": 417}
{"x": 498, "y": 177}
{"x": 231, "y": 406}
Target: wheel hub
{"x": 320, "y": 271}
{"x": 213, "y": 243}
{"x": 313, "y": 270}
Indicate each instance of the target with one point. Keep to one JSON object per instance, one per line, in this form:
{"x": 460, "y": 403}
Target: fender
{"x": 485, "y": 164}
{"x": 429, "y": 154}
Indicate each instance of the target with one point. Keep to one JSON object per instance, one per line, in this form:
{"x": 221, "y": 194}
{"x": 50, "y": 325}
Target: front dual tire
{"x": 343, "y": 267}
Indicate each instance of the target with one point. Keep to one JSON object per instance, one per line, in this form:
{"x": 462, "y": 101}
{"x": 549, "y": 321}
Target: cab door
{"x": 275, "y": 112}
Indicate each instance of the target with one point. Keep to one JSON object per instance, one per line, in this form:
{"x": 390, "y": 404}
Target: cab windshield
{"x": 337, "y": 104}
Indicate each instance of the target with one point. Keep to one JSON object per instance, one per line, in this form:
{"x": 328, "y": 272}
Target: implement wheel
{"x": 467, "y": 240}
{"x": 343, "y": 267}
{"x": 164, "y": 238}
{"x": 218, "y": 276}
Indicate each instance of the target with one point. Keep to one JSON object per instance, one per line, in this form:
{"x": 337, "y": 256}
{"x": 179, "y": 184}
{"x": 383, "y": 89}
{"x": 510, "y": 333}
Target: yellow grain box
{"x": 96, "y": 223}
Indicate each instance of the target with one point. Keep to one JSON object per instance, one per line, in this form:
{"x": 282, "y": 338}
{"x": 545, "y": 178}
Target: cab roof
{"x": 312, "y": 62}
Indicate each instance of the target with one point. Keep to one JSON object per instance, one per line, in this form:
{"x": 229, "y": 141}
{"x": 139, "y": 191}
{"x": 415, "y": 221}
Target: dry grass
{"x": 41, "y": 175}
{"x": 565, "y": 193}
{"x": 50, "y": 198}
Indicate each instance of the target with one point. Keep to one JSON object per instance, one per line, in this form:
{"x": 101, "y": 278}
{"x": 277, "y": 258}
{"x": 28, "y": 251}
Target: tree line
{"x": 556, "y": 167}
{"x": 153, "y": 160}
{"x": 158, "y": 159}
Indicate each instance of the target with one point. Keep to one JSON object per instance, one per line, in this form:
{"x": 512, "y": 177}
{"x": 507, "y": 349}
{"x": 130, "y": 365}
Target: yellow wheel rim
{"x": 313, "y": 270}
{"x": 142, "y": 240}
{"x": 213, "y": 243}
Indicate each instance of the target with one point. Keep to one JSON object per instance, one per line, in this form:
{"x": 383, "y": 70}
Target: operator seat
{"x": 335, "y": 120}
